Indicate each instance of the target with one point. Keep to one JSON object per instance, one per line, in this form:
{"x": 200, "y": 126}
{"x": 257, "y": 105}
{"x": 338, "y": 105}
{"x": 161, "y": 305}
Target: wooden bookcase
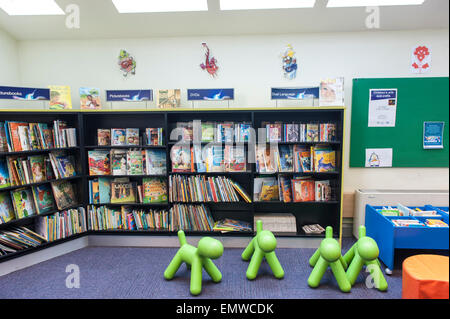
{"x": 87, "y": 122}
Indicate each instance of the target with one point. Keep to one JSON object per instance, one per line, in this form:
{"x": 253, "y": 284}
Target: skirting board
{"x": 136, "y": 241}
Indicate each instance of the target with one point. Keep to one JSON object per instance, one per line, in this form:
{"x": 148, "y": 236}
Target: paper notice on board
{"x": 379, "y": 157}
{"x": 382, "y": 107}
{"x": 433, "y": 135}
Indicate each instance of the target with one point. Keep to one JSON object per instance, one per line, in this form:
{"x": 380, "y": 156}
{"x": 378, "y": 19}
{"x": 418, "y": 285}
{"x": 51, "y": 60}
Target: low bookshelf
{"x": 325, "y": 213}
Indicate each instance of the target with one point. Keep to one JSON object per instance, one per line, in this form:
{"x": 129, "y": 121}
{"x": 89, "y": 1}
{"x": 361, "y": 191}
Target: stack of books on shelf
{"x": 231, "y": 225}
{"x": 62, "y": 224}
{"x": 30, "y": 201}
{"x": 295, "y": 158}
{"x": 287, "y": 189}
{"x": 21, "y": 136}
{"x": 18, "y": 238}
{"x": 205, "y": 189}
{"x": 220, "y": 132}
{"x": 281, "y": 223}
{"x": 127, "y": 162}
{"x": 207, "y": 159}
{"x": 126, "y": 218}
{"x": 153, "y": 190}
{"x": 313, "y": 229}
{"x": 130, "y": 136}
{"x": 191, "y": 218}
{"x": 299, "y": 132}
{"x": 17, "y": 171}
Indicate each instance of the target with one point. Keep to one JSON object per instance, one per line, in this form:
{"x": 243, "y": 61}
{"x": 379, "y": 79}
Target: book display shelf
{"x": 325, "y": 213}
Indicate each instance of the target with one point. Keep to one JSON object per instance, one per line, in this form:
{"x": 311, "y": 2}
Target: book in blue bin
{"x": 285, "y": 160}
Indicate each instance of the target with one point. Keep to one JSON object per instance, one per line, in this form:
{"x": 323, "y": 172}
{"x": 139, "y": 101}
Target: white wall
{"x": 9, "y": 62}
{"x": 250, "y": 64}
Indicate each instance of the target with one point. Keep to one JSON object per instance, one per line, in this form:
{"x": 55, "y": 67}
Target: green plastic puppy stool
{"x": 365, "y": 253}
{"x": 328, "y": 254}
{"x": 262, "y": 245}
{"x": 196, "y": 259}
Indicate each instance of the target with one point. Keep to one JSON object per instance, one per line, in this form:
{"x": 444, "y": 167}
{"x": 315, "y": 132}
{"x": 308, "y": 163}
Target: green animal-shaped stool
{"x": 328, "y": 254}
{"x": 196, "y": 259}
{"x": 262, "y": 245}
{"x": 365, "y": 252}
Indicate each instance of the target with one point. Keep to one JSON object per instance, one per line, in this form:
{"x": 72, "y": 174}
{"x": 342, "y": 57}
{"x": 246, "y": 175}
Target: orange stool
{"x": 425, "y": 277}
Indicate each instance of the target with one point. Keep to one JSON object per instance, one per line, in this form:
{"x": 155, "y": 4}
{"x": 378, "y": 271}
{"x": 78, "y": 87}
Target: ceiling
{"x": 99, "y": 19}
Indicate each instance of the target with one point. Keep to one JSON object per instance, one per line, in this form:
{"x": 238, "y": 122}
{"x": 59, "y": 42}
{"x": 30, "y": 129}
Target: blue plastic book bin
{"x": 390, "y": 237}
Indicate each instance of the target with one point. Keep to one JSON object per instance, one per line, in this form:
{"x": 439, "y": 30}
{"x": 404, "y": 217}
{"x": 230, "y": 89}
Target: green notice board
{"x": 419, "y": 100}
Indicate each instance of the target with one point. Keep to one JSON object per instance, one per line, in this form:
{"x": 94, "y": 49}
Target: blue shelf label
{"x": 295, "y": 93}
{"x": 210, "y": 94}
{"x": 24, "y": 94}
{"x": 376, "y": 95}
{"x": 129, "y": 95}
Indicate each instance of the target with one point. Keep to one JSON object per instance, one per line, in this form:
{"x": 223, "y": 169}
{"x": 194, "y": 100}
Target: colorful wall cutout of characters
{"x": 127, "y": 63}
{"x": 289, "y": 63}
{"x": 210, "y": 64}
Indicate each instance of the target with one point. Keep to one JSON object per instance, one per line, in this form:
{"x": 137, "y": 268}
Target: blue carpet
{"x": 137, "y": 273}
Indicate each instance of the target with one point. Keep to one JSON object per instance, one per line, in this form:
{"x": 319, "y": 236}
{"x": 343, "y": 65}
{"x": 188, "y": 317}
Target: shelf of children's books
{"x": 207, "y": 143}
{"x": 314, "y": 174}
{"x": 29, "y": 218}
{"x": 40, "y": 247}
{"x": 228, "y": 205}
{"x": 287, "y": 204}
{"x": 132, "y": 204}
{"x": 167, "y": 232}
{"x": 107, "y": 147}
{"x": 131, "y": 176}
{"x": 211, "y": 173}
{"x": 40, "y": 183}
{"x": 306, "y": 143}
{"x": 39, "y": 151}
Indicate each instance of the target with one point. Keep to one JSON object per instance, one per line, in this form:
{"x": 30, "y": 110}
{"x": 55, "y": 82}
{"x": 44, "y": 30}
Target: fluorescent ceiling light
{"x": 265, "y": 4}
{"x": 31, "y": 7}
{"x": 371, "y": 3}
{"x": 139, "y": 6}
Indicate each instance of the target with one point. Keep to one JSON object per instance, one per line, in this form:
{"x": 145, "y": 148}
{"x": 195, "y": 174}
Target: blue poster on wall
{"x": 295, "y": 93}
{"x": 24, "y": 94}
{"x": 433, "y": 135}
{"x": 129, "y": 95}
{"x": 210, "y": 94}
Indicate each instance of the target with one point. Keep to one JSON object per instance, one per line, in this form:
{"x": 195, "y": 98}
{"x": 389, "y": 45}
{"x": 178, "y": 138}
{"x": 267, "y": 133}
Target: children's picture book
{"x": 103, "y": 137}
{"x": 324, "y": 160}
{"x": 24, "y": 134}
{"x": 285, "y": 189}
{"x": 312, "y": 132}
{"x": 118, "y": 136}
{"x": 14, "y": 135}
{"x": 332, "y": 92}
{"x": 180, "y": 156}
{"x": 155, "y": 190}
{"x": 4, "y": 174}
{"x": 286, "y": 161}
{"x": 65, "y": 164}
{"x": 291, "y": 132}
{"x": 37, "y": 165}
{"x": 119, "y": 162}
{"x": 6, "y": 208}
{"x": 64, "y": 193}
{"x": 3, "y": 138}
{"x": 122, "y": 191}
{"x": 132, "y": 136}
{"x": 234, "y": 158}
{"x": 154, "y": 136}
{"x": 186, "y": 131}
{"x": 104, "y": 190}
{"x": 207, "y": 132}
{"x": 155, "y": 161}
{"x": 266, "y": 157}
{"x": 225, "y": 132}
{"x": 303, "y": 190}
{"x": 43, "y": 198}
{"x": 60, "y": 97}
{"x": 23, "y": 202}
{"x": 169, "y": 98}
{"x": 302, "y": 159}
{"x": 265, "y": 189}
{"x": 217, "y": 159}
{"x": 274, "y": 132}
{"x": 242, "y": 132}
{"x": 323, "y": 191}
{"x": 99, "y": 163}
{"x": 199, "y": 159}
{"x": 135, "y": 163}
{"x": 90, "y": 98}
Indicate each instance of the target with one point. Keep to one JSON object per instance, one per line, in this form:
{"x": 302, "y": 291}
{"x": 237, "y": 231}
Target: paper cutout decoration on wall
{"x": 289, "y": 63}
{"x": 169, "y": 98}
{"x": 421, "y": 59}
{"x": 90, "y": 98}
{"x": 60, "y": 97}
{"x": 210, "y": 64}
{"x": 127, "y": 63}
